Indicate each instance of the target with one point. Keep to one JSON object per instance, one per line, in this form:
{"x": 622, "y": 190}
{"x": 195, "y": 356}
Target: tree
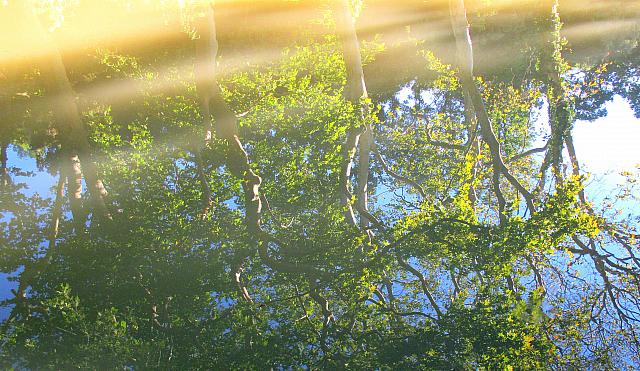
{"x": 290, "y": 197}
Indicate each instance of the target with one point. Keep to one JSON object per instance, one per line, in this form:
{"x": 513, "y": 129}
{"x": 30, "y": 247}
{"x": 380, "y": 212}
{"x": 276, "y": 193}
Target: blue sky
{"x": 611, "y": 143}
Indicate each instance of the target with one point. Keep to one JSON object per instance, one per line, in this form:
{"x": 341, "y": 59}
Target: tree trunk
{"x": 560, "y": 116}
{"x": 56, "y": 213}
{"x": 360, "y": 138}
{"x": 68, "y": 122}
{"x": 74, "y": 135}
{"x": 213, "y": 107}
{"x": 212, "y": 104}
{"x": 74, "y": 190}
{"x": 460, "y": 26}
{"x": 5, "y": 180}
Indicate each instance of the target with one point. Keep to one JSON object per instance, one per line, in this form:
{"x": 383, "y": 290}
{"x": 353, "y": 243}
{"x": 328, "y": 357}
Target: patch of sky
{"x": 609, "y": 145}
{"x": 25, "y": 170}
{"x": 221, "y": 302}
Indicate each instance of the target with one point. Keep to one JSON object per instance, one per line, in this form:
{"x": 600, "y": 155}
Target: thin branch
{"x": 528, "y": 153}
{"x": 326, "y": 313}
{"x": 397, "y": 176}
{"x": 423, "y": 284}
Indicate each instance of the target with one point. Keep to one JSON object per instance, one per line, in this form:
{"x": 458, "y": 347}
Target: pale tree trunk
{"x": 206, "y": 51}
{"x": 68, "y": 120}
{"x": 214, "y": 107}
{"x": 69, "y": 123}
{"x": 212, "y": 103}
{"x": 358, "y": 138}
{"x": 464, "y": 46}
{"x": 56, "y": 213}
{"x": 74, "y": 190}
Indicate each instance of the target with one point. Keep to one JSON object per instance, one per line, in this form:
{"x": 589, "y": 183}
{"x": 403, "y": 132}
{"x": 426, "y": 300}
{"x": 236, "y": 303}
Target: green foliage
{"x": 436, "y": 283}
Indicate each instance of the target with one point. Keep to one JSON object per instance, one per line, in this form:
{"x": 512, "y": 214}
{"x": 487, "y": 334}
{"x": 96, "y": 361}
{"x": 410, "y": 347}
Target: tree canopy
{"x": 327, "y": 184}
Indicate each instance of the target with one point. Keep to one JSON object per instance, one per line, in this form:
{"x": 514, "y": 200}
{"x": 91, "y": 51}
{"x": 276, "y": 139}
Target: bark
{"x": 68, "y": 119}
{"x": 560, "y": 116}
{"x": 529, "y": 153}
{"x": 560, "y": 122}
{"x": 214, "y": 107}
{"x": 349, "y": 152}
{"x": 74, "y": 190}
{"x": 559, "y": 105}
{"x": 206, "y": 51}
{"x": 212, "y": 104}
{"x": 423, "y": 284}
{"x": 56, "y": 213}
{"x": 242, "y": 288}
{"x": 355, "y": 88}
{"x": 464, "y": 47}
{"x": 462, "y": 35}
{"x": 74, "y": 135}
{"x": 326, "y": 313}
{"x": 575, "y": 165}
{"x": 362, "y": 192}
{"x": 5, "y": 180}
{"x": 360, "y": 138}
